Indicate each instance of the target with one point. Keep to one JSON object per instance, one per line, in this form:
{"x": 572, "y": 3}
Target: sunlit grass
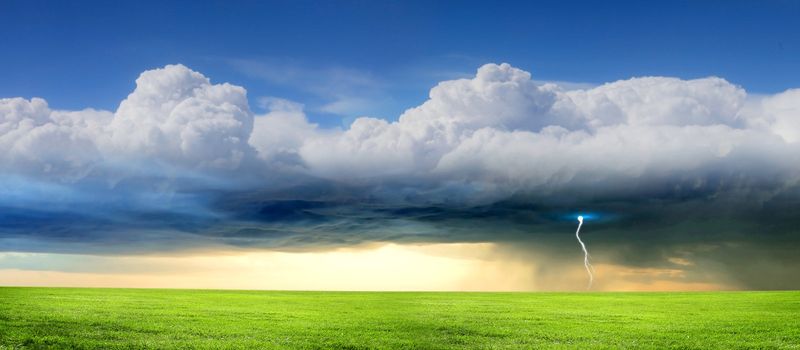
{"x": 130, "y": 318}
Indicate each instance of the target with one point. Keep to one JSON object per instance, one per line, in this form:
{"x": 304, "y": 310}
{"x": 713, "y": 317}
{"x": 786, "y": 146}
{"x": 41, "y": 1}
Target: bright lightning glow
{"x": 589, "y": 267}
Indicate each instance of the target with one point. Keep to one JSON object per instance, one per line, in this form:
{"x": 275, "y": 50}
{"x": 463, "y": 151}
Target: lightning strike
{"x": 589, "y": 267}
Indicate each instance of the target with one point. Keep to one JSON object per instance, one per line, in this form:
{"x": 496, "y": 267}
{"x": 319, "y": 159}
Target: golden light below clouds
{"x": 457, "y": 267}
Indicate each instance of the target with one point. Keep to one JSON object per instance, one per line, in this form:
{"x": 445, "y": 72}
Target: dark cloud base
{"x": 752, "y": 243}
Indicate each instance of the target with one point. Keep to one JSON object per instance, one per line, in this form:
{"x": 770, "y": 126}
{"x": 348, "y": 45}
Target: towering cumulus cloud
{"x": 177, "y": 115}
{"x": 174, "y": 116}
{"x": 685, "y": 173}
{"x": 37, "y": 141}
{"x": 499, "y": 97}
{"x": 502, "y": 132}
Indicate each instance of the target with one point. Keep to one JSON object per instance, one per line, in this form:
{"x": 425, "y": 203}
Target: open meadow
{"x": 144, "y": 318}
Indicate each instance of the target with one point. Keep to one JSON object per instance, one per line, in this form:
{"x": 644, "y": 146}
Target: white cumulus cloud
{"x": 503, "y": 132}
{"x": 177, "y": 115}
{"x": 499, "y": 131}
{"x": 59, "y": 145}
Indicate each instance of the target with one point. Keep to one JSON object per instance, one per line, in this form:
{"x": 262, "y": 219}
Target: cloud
{"x": 501, "y": 132}
{"x": 498, "y": 133}
{"x": 498, "y": 125}
{"x": 278, "y": 135}
{"x": 656, "y": 101}
{"x": 174, "y": 117}
{"x": 183, "y": 163}
{"x": 499, "y": 96}
{"x": 336, "y": 90}
{"x": 176, "y": 114}
{"x": 779, "y": 114}
{"x": 37, "y": 141}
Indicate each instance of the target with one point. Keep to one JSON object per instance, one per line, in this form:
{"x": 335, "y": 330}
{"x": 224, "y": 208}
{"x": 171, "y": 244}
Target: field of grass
{"x": 131, "y": 318}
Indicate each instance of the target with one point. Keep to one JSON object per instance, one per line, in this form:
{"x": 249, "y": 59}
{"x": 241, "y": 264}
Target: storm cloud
{"x": 695, "y": 174}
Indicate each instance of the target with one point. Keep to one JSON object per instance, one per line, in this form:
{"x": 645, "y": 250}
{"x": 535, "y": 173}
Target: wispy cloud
{"x": 342, "y": 91}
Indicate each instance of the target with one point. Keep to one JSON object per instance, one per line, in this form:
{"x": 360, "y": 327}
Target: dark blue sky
{"x": 380, "y": 57}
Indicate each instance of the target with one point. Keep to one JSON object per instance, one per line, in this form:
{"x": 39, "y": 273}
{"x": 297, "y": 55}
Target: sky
{"x": 387, "y": 145}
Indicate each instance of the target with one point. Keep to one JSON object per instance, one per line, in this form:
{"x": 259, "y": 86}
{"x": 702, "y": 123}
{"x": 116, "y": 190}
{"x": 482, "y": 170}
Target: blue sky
{"x": 350, "y": 58}
{"x": 677, "y": 124}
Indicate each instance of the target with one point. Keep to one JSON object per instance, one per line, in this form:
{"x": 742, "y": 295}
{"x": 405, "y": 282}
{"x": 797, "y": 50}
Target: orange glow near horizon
{"x": 389, "y": 267}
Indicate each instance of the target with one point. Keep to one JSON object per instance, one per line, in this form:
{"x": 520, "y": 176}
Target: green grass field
{"x": 131, "y": 318}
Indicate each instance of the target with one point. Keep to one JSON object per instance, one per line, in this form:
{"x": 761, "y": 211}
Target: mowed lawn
{"x": 142, "y": 318}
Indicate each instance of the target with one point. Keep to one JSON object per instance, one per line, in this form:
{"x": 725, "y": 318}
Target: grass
{"x": 185, "y": 319}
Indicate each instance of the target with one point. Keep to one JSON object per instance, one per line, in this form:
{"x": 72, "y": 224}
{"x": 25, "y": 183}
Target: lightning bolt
{"x": 589, "y": 267}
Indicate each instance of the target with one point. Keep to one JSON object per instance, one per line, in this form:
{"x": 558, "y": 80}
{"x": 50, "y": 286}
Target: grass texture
{"x": 198, "y": 319}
